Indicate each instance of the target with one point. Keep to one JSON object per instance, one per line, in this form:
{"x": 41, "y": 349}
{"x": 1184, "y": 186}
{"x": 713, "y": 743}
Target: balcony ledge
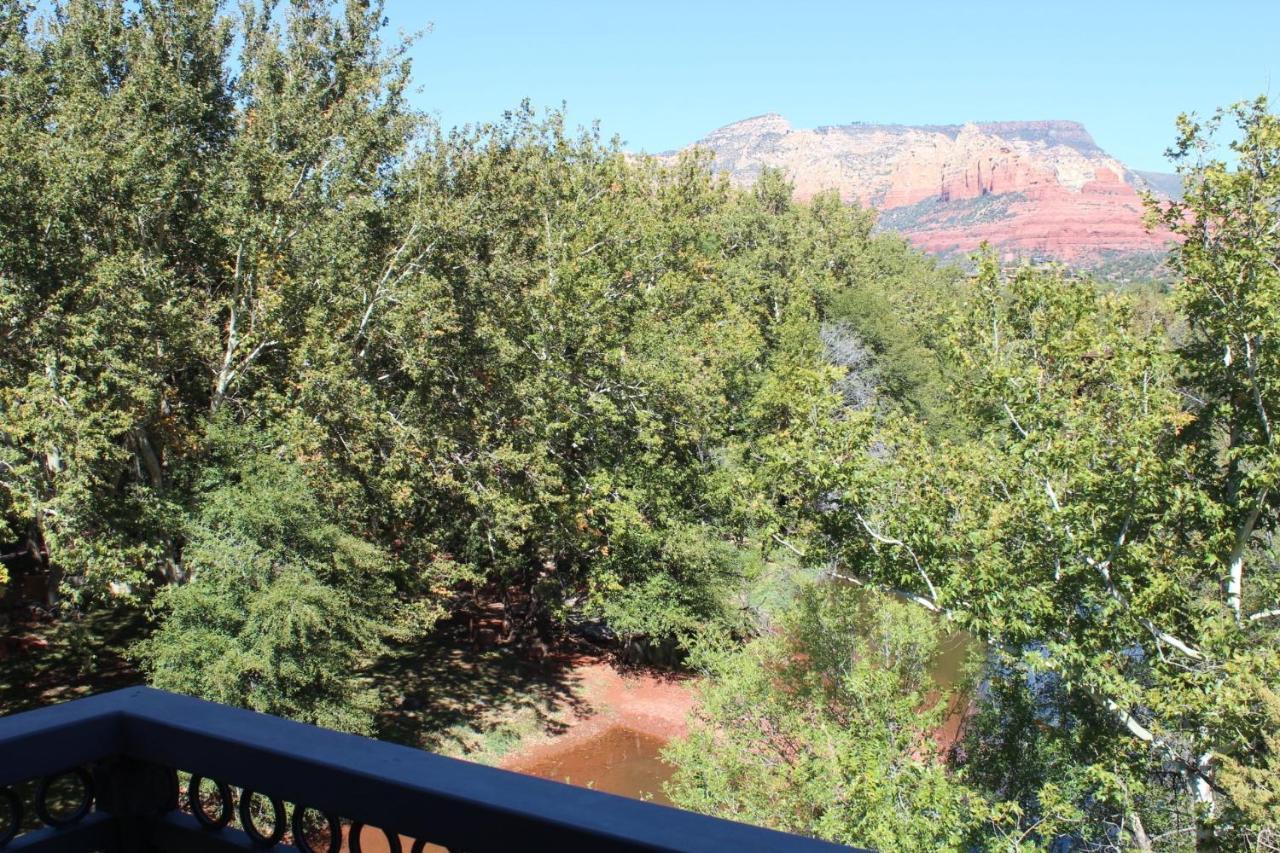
{"x": 130, "y": 743}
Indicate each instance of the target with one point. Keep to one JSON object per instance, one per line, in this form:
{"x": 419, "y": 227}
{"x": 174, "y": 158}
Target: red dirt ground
{"x": 649, "y": 701}
{"x": 652, "y": 702}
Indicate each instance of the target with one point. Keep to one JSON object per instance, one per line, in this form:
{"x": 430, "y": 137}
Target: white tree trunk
{"x": 1235, "y": 564}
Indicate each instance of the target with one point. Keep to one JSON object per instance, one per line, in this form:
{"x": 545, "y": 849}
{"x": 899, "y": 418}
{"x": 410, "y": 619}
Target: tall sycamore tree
{"x": 1104, "y": 519}
{"x": 114, "y": 119}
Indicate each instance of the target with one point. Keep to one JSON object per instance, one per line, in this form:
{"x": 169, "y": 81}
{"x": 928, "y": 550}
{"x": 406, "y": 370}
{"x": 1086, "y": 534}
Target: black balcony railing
{"x": 104, "y": 773}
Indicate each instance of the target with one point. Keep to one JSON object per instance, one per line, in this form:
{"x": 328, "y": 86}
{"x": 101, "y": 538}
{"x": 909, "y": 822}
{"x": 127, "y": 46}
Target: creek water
{"x": 617, "y": 760}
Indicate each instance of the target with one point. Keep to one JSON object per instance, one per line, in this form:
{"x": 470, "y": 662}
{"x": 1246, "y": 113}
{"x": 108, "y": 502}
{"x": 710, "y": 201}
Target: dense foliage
{"x": 828, "y": 726}
{"x": 1102, "y": 519}
{"x": 241, "y": 279}
{"x": 302, "y": 373}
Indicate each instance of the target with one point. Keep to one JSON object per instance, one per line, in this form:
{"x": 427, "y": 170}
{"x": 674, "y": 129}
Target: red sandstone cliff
{"x": 1033, "y": 189}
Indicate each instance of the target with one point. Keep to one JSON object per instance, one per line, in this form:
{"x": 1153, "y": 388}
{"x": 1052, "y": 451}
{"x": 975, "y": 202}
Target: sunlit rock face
{"x": 1036, "y": 189}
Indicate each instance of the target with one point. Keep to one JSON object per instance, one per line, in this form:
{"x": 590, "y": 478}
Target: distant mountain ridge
{"x": 1042, "y": 190}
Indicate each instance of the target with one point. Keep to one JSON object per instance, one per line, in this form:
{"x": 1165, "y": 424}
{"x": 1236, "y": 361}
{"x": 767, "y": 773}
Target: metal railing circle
{"x": 46, "y": 814}
{"x": 299, "y": 831}
{"x": 353, "y": 839}
{"x": 197, "y": 807}
{"x": 279, "y": 825}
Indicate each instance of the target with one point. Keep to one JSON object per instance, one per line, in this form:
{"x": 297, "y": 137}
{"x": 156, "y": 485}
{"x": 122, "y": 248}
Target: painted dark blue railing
{"x": 144, "y": 770}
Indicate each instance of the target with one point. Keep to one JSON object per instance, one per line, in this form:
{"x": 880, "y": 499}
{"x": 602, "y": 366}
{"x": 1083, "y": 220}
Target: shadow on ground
{"x": 440, "y": 693}
{"x": 44, "y": 661}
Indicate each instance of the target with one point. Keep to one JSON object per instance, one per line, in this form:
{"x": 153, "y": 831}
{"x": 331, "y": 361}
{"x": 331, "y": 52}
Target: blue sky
{"x": 662, "y": 74}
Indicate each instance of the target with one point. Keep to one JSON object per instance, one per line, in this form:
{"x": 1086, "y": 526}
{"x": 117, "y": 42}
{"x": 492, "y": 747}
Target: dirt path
{"x": 651, "y": 702}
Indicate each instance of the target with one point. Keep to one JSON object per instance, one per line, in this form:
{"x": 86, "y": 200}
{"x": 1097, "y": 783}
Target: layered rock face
{"x": 1036, "y": 189}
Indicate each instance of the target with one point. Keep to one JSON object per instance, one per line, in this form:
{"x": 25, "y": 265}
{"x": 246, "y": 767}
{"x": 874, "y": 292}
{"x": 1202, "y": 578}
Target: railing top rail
{"x": 402, "y": 789}
{"x": 51, "y": 739}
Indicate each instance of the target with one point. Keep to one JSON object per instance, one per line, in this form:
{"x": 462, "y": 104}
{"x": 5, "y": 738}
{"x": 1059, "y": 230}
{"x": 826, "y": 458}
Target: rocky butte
{"x": 1041, "y": 190}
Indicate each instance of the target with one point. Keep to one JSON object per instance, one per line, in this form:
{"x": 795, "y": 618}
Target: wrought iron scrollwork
{"x": 242, "y": 807}
{"x": 13, "y": 812}
{"x": 229, "y": 806}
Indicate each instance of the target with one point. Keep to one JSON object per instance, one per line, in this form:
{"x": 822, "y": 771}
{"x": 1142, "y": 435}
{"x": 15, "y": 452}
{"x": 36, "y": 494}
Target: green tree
{"x": 828, "y": 727}
{"x": 894, "y": 302}
{"x": 522, "y": 364}
{"x": 283, "y": 609}
{"x": 598, "y": 331}
{"x": 1254, "y": 783}
{"x": 1087, "y": 531}
{"x": 1228, "y": 264}
{"x": 1100, "y": 513}
{"x": 178, "y": 239}
{"x": 111, "y": 126}
{"x": 182, "y": 248}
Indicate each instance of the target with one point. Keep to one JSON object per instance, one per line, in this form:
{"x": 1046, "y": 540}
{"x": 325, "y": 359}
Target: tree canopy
{"x": 1101, "y": 516}
{"x": 302, "y": 373}
{"x": 511, "y": 361}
